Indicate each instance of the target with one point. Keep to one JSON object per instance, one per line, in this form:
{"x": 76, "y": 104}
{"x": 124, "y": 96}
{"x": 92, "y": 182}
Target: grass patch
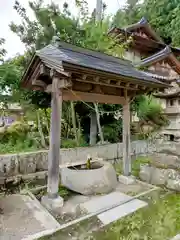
{"x": 135, "y": 166}
{"x": 63, "y": 192}
{"x": 159, "y": 221}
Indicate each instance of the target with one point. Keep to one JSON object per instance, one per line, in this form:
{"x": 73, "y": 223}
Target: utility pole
{"x": 99, "y": 6}
{"x": 94, "y": 116}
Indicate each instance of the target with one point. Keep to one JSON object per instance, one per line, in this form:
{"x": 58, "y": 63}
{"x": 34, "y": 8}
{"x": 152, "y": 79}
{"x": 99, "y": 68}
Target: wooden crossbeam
{"x": 69, "y": 95}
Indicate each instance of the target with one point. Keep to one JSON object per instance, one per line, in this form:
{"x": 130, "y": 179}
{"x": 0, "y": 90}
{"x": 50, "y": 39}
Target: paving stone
{"x": 121, "y": 211}
{"x": 103, "y": 202}
{"x": 23, "y": 217}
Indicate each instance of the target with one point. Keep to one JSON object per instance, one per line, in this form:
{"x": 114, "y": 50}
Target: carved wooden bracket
{"x": 60, "y": 83}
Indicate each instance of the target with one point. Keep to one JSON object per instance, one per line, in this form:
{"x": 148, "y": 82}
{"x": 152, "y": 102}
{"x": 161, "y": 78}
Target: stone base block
{"x": 52, "y": 204}
{"x": 127, "y": 180}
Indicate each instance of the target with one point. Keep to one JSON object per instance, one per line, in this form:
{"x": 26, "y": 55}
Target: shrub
{"x": 17, "y": 131}
{"x": 71, "y": 143}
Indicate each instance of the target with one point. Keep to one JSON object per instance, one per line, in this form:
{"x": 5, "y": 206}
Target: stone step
{"x": 121, "y": 211}
{"x": 102, "y": 203}
{"x": 98, "y": 203}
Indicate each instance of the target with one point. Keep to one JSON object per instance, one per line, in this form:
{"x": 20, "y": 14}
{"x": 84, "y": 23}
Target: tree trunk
{"x": 98, "y": 123}
{"x": 93, "y": 128}
{"x": 79, "y": 133}
{"x": 47, "y": 122}
{"x": 43, "y": 143}
{"x": 74, "y": 122}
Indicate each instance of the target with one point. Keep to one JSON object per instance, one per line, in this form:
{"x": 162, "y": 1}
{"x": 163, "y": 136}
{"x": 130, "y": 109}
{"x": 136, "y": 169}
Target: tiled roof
{"x": 53, "y": 56}
{"x": 156, "y": 57}
{"x": 161, "y": 77}
{"x": 143, "y": 21}
{"x": 168, "y": 95}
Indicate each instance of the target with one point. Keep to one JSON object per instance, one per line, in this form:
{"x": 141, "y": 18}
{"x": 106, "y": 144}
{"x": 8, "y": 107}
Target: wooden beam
{"x": 62, "y": 83}
{"x": 55, "y": 136}
{"x": 143, "y": 87}
{"x": 84, "y": 77}
{"x": 39, "y": 83}
{"x": 97, "y": 89}
{"x": 118, "y": 83}
{"x": 69, "y": 95}
{"x": 60, "y": 70}
{"x": 104, "y": 75}
{"x": 105, "y": 83}
{"x": 96, "y": 79}
{"x": 126, "y": 137}
{"x": 35, "y": 74}
{"x": 42, "y": 69}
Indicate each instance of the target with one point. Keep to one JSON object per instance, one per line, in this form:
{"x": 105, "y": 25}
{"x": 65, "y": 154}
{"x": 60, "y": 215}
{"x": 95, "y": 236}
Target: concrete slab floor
{"x": 23, "y": 217}
{"x": 133, "y": 189}
{"x": 71, "y": 209}
{"x": 79, "y": 231}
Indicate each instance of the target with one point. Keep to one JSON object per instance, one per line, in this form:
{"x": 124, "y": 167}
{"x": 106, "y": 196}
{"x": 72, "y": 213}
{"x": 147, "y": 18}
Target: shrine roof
{"x": 145, "y": 27}
{"x": 151, "y": 43}
{"x": 168, "y": 95}
{"x": 57, "y": 56}
{"x": 161, "y": 55}
{"x": 161, "y": 77}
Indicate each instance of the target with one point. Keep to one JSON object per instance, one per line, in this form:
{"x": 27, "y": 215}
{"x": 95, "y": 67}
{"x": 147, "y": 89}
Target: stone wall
{"x": 163, "y": 168}
{"x": 25, "y": 163}
{"x": 169, "y": 178}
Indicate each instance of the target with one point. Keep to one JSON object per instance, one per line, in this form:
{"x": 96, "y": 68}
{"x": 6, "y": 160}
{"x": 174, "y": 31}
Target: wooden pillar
{"x": 126, "y": 137}
{"x": 93, "y": 128}
{"x": 55, "y": 136}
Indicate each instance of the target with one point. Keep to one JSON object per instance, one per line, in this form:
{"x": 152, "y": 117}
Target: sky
{"x": 13, "y": 44}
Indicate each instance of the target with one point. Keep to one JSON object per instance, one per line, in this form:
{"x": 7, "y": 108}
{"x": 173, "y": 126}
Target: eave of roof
{"x": 54, "y": 57}
{"x": 153, "y": 44}
{"x": 160, "y": 77}
{"x": 167, "y": 95}
{"x": 145, "y": 26}
{"x": 163, "y": 54}
{"x": 167, "y": 52}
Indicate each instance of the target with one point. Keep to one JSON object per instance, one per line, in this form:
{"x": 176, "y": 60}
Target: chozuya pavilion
{"x": 71, "y": 73}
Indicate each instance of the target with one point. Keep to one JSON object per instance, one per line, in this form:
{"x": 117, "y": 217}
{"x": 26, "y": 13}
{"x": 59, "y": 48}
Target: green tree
{"x": 130, "y": 14}
{"x": 2, "y": 50}
{"x": 50, "y": 20}
{"x": 164, "y": 17}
